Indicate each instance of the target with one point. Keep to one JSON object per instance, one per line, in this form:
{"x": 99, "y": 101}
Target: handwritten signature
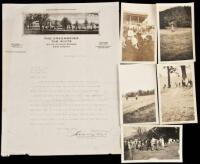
{"x": 92, "y": 133}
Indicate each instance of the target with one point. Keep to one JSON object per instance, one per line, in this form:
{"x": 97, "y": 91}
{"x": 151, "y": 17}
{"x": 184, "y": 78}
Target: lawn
{"x": 61, "y": 32}
{"x": 139, "y": 111}
{"x": 176, "y": 45}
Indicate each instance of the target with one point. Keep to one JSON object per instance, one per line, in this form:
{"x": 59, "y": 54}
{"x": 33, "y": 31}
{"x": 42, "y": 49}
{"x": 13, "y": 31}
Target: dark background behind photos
{"x": 191, "y": 137}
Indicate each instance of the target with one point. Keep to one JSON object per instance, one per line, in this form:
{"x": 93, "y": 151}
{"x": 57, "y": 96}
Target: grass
{"x": 61, "y": 32}
{"x": 143, "y": 114}
{"x": 176, "y": 45}
{"x": 139, "y": 111}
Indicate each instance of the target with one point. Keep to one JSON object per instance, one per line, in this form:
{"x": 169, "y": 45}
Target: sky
{"x": 173, "y": 76}
{"x": 73, "y": 17}
{"x": 163, "y": 71}
{"x": 128, "y": 131}
{"x": 137, "y": 76}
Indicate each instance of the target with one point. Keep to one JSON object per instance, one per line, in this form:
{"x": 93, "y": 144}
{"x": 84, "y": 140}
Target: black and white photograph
{"x": 138, "y": 34}
{"x": 176, "y": 41}
{"x": 177, "y": 97}
{"x": 138, "y": 93}
{"x": 57, "y": 23}
{"x": 151, "y": 143}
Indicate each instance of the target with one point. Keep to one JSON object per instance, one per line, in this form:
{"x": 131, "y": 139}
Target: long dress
{"x": 132, "y": 38}
{"x": 172, "y": 28}
{"x": 162, "y": 143}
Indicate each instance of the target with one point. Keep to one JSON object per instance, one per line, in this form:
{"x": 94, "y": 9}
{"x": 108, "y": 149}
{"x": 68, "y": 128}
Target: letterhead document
{"x": 60, "y": 79}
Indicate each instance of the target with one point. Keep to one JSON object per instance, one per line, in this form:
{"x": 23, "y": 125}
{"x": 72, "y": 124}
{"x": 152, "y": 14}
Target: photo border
{"x": 194, "y": 94}
{"x": 57, "y": 13}
{"x": 123, "y": 9}
{"x": 180, "y": 160}
{"x": 156, "y": 98}
{"x": 191, "y": 4}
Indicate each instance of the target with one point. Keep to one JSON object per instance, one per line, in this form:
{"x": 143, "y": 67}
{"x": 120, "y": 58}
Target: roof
{"x": 135, "y": 16}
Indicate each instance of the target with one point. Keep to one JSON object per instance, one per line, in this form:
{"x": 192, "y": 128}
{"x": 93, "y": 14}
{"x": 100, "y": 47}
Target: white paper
{"x": 60, "y": 90}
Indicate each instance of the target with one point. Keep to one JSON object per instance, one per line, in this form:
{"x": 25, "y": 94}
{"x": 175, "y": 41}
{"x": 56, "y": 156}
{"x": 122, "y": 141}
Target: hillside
{"x": 180, "y": 16}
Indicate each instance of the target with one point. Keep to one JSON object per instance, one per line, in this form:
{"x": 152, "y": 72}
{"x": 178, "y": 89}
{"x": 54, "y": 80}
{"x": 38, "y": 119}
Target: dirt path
{"x": 177, "y": 105}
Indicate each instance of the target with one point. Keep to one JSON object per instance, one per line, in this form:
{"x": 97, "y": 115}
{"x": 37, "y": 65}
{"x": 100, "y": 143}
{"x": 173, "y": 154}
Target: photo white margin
{"x": 191, "y": 4}
{"x": 180, "y": 160}
{"x": 156, "y": 99}
{"x": 123, "y": 6}
{"x": 194, "y": 94}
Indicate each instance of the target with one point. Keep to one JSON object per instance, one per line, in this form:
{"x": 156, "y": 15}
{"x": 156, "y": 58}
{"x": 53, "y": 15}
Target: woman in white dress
{"x": 132, "y": 36}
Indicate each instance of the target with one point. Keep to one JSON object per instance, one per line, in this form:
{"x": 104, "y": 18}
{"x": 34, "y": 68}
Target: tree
{"x": 183, "y": 71}
{"x": 140, "y": 92}
{"x": 181, "y": 15}
{"x": 141, "y": 133}
{"x": 56, "y": 24}
{"x": 92, "y": 25}
{"x": 41, "y": 18}
{"x": 170, "y": 69}
{"x": 86, "y": 23}
{"x": 165, "y": 132}
{"x": 76, "y": 25}
{"x": 168, "y": 77}
{"x": 65, "y": 22}
{"x": 28, "y": 21}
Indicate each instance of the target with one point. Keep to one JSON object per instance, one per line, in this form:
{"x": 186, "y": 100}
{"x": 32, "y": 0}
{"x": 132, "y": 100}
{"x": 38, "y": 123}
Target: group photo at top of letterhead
{"x": 100, "y": 81}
